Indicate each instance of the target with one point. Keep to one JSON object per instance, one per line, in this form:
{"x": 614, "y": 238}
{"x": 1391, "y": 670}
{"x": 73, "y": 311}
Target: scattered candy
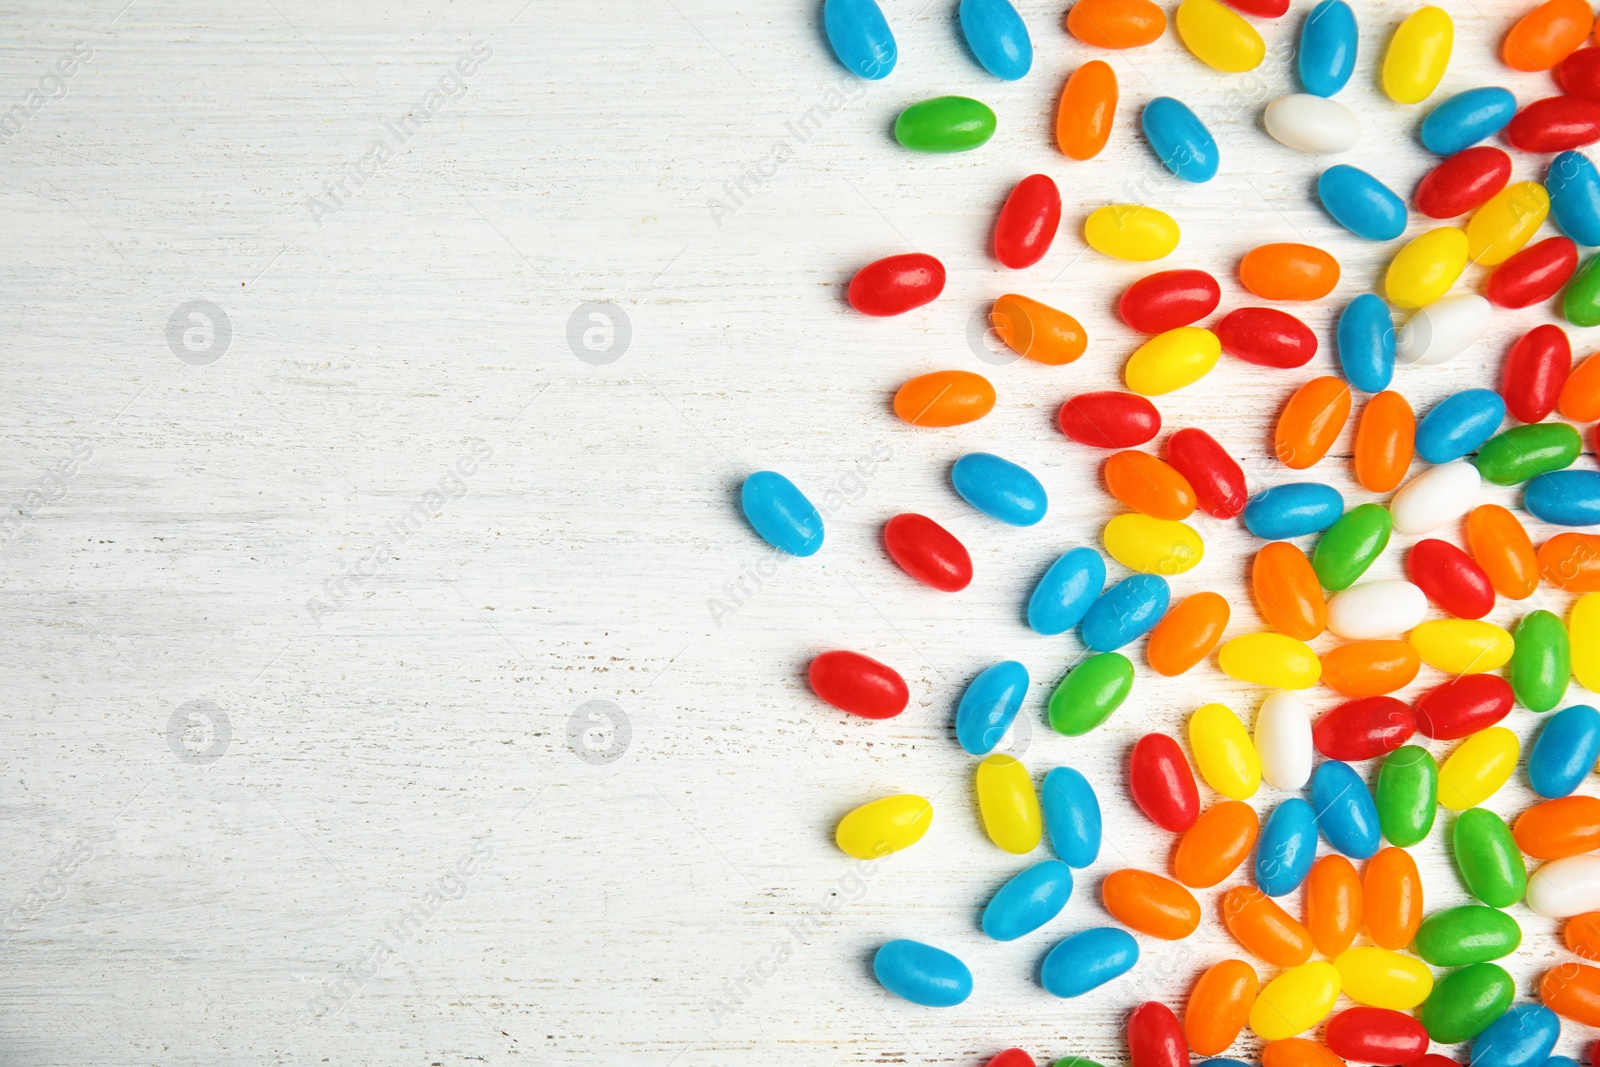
{"x": 1116, "y": 23}
{"x": 1417, "y": 56}
{"x": 884, "y": 826}
{"x": 1466, "y": 118}
{"x": 997, "y": 36}
{"x": 859, "y": 684}
{"x": 1283, "y": 741}
{"x": 922, "y": 974}
{"x": 860, "y": 37}
{"x": 1219, "y": 38}
{"x": 990, "y": 705}
{"x": 1313, "y": 124}
{"x": 945, "y": 124}
{"x": 1088, "y": 107}
{"x": 1031, "y": 215}
{"x": 1038, "y": 331}
{"x": 1289, "y": 272}
{"x": 896, "y": 284}
{"x": 1008, "y": 805}
{"x": 1030, "y": 899}
{"x": 781, "y": 514}
{"x": 1357, "y": 201}
{"x": 1328, "y": 42}
{"x": 999, "y": 488}
{"x": 1088, "y": 960}
{"x": 944, "y": 398}
{"x": 1071, "y": 816}
{"x": 1131, "y": 231}
{"x": 1179, "y": 139}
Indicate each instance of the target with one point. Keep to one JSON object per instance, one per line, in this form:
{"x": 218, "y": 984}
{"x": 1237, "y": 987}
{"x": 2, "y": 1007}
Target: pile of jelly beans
{"x": 1363, "y": 932}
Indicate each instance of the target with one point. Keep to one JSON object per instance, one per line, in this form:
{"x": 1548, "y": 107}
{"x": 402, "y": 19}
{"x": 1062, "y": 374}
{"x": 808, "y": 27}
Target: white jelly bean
{"x": 1566, "y": 887}
{"x": 1442, "y": 330}
{"x": 1283, "y": 741}
{"x": 1312, "y": 124}
{"x": 1385, "y": 608}
{"x": 1436, "y": 496}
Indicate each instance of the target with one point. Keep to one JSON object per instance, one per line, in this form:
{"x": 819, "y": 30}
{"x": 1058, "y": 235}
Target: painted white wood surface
{"x": 399, "y": 856}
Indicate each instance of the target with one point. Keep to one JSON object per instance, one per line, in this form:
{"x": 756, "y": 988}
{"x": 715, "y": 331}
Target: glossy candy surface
{"x": 1266, "y": 337}
{"x": 1223, "y": 752}
{"x": 1574, "y": 185}
{"x": 1295, "y": 1001}
{"x": 1090, "y": 692}
{"x": 1215, "y": 846}
{"x": 1436, "y": 496}
{"x": 1366, "y": 343}
{"x": 1351, "y": 545}
{"x": 1293, "y": 510}
{"x": 859, "y": 684}
{"x": 1534, "y": 274}
{"x": 896, "y": 284}
{"x": 1216, "y": 478}
{"x": 1471, "y": 933}
{"x": 1407, "y": 795}
{"x": 1311, "y": 422}
{"x": 1580, "y": 394}
{"x": 1442, "y": 330}
{"x": 928, "y": 552}
{"x": 1573, "y": 992}
{"x": 1263, "y": 928}
{"x": 1547, "y": 34}
{"x": 1312, "y": 124}
{"x": 1555, "y": 124}
{"x": 1172, "y": 360}
{"x": 1376, "y": 1035}
{"x": 1522, "y": 1037}
{"x": 1288, "y": 272}
{"x": 1460, "y": 183}
{"x": 1487, "y": 856}
{"x": 1500, "y": 228}
{"x": 1536, "y": 369}
{"x": 1148, "y": 485}
{"x": 1150, "y": 904}
{"x": 1187, "y": 633}
{"x": 1363, "y": 729}
{"x": 1088, "y": 110}
{"x": 1382, "y": 978}
{"x": 1385, "y": 441}
{"x": 1008, "y": 805}
{"x": 922, "y": 974}
{"x": 997, "y": 36}
{"x": 1109, "y": 419}
{"x": 1502, "y": 548}
{"x": 1386, "y": 607}
{"x": 1283, "y": 741}
{"x": 1116, "y": 23}
{"x": 1125, "y": 612}
{"x": 1458, "y": 424}
{"x": 860, "y": 37}
{"x": 1370, "y": 668}
{"x": 1270, "y": 659}
{"x": 1566, "y": 887}
{"x": 1286, "y": 847}
{"x": 1426, "y": 267}
{"x": 1361, "y": 203}
{"x": 1450, "y": 578}
{"x": 999, "y": 488}
{"x": 1391, "y": 894}
{"x": 1565, "y": 498}
{"x": 1478, "y": 768}
{"x": 1218, "y": 37}
{"x": 1345, "y": 811}
{"x": 990, "y": 705}
{"x": 1066, "y": 591}
{"x": 884, "y": 826}
{"x": 783, "y": 516}
{"x": 1287, "y": 592}
{"x": 1554, "y": 829}
{"x": 1465, "y": 1002}
{"x": 1328, "y": 42}
{"x": 945, "y": 124}
{"x": 1580, "y": 304}
{"x": 1162, "y": 784}
{"x": 1219, "y": 1006}
{"x": 1071, "y": 816}
{"x": 1565, "y": 751}
{"x": 1462, "y": 706}
{"x": 1038, "y": 331}
{"x": 1088, "y": 960}
{"x": 944, "y": 398}
{"x": 1169, "y": 299}
{"x": 1179, "y": 139}
{"x": 1571, "y": 561}
{"x": 1155, "y": 1039}
{"x": 1579, "y": 74}
{"x": 1131, "y": 231}
{"x": 1030, "y": 217}
{"x": 1030, "y": 899}
{"x": 1333, "y": 904}
{"x": 1417, "y": 56}
{"x": 1466, "y": 118}
{"x": 1541, "y": 664}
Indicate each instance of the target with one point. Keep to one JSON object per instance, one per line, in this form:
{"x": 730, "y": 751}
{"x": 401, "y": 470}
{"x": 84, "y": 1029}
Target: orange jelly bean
{"x": 1116, "y": 23}
{"x": 1548, "y": 34}
{"x": 1150, "y": 904}
{"x": 1220, "y": 1006}
{"x": 1333, "y": 904}
{"x": 1038, "y": 331}
{"x": 1311, "y": 422}
{"x": 1287, "y": 591}
{"x": 1187, "y": 634}
{"x": 944, "y": 398}
{"x": 1298, "y": 1052}
{"x": 1216, "y": 844}
{"x": 1265, "y": 929}
{"x": 1391, "y": 895}
{"x": 1571, "y": 561}
{"x": 1146, "y": 483}
{"x": 1385, "y": 442}
{"x": 1563, "y": 827}
{"x": 1503, "y": 549}
{"x": 1583, "y": 935}
{"x": 1572, "y": 991}
{"x": 1088, "y": 108}
{"x": 1370, "y": 668}
{"x": 1289, "y": 272}
{"x": 1580, "y": 396}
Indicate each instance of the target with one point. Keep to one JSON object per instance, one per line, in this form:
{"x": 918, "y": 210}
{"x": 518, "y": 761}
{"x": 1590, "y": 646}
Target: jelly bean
{"x": 1109, "y": 419}
{"x": 1364, "y": 728}
{"x": 1012, "y": 1057}
{"x": 945, "y": 124}
{"x": 1522, "y": 1037}
{"x": 1571, "y": 561}
{"x": 1418, "y": 54}
{"x": 884, "y": 826}
{"x": 998, "y": 37}
{"x": 1071, "y": 816}
{"x": 1376, "y": 1035}
{"x": 1289, "y": 272}
{"x": 1146, "y": 484}
{"x": 1566, "y": 887}
{"x": 1541, "y": 665}
{"x": 1286, "y": 847}
{"x": 858, "y": 684}
{"x": 928, "y": 552}
{"x": 1580, "y": 395}
{"x": 1566, "y": 826}
{"x": 1502, "y": 226}
{"x": 1450, "y": 578}
{"x": 1287, "y": 592}
{"x": 1426, "y": 268}
{"x": 944, "y": 398}
{"x": 1565, "y": 498}
{"x": 1172, "y": 360}
{"x": 1219, "y": 1006}
{"x": 1293, "y": 510}
{"x": 1076, "y": 1061}
{"x": 1187, "y": 634}
{"x": 1328, "y": 42}
{"x": 999, "y": 488}
{"x": 860, "y": 37}
{"x": 1565, "y": 751}
{"x": 1579, "y": 74}
{"x": 1463, "y": 706}
{"x": 1502, "y": 548}
{"x": 1216, "y": 844}
{"x": 1385, "y": 442}
{"x": 1031, "y": 214}
{"x": 1407, "y": 795}
{"x": 1219, "y": 38}
{"x": 1487, "y": 856}
{"x": 1459, "y": 184}
{"x": 1116, "y": 23}
{"x": 1478, "y": 768}
{"x": 1382, "y": 978}
{"x": 1465, "y": 1002}
{"x": 1030, "y": 899}
{"x": 1088, "y": 960}
{"x": 1537, "y": 367}
{"x": 1555, "y": 124}
{"x": 1462, "y": 646}
{"x": 1090, "y": 692}
{"x": 1573, "y": 992}
{"x": 1580, "y": 304}
{"x": 1169, "y": 299}
{"x": 1442, "y": 331}
{"x": 1283, "y": 741}
{"x": 1383, "y": 608}
{"x": 1215, "y": 476}
{"x": 1547, "y": 34}
{"x": 1574, "y": 185}
{"x": 1066, "y": 591}
{"x": 1391, "y": 894}
{"x": 1179, "y": 139}
{"x": 1038, "y": 331}
{"x": 1087, "y": 111}
{"x": 1366, "y": 343}
{"x": 1150, "y": 904}
{"x": 1224, "y": 753}
{"x": 1333, "y": 904}
{"x": 1345, "y": 812}
{"x": 1298, "y": 1052}
{"x": 1131, "y": 231}
{"x": 1008, "y": 805}
{"x": 1534, "y": 274}
{"x": 1357, "y": 201}
{"x": 1464, "y": 119}
{"x": 781, "y": 514}
{"x": 896, "y": 284}
{"x": 1436, "y": 496}
{"x": 1162, "y": 784}
{"x": 1155, "y": 1039}
{"x": 1311, "y": 422}
{"x": 922, "y": 974}
{"x": 1467, "y": 934}
{"x": 1582, "y": 935}
{"x": 1351, "y": 545}
{"x": 1370, "y": 668}
{"x": 1257, "y": 922}
{"x": 1295, "y": 1001}
{"x": 1269, "y": 659}
{"x": 1312, "y": 124}
{"x": 1125, "y": 612}
{"x": 990, "y": 705}
{"x": 1152, "y": 546}
{"x": 1458, "y": 424}
{"x": 1266, "y": 337}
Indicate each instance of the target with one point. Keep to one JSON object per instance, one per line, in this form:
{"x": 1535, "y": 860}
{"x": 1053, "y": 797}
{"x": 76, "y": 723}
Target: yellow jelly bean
{"x": 1153, "y": 546}
{"x": 1172, "y": 360}
{"x": 1477, "y": 769}
{"x": 1380, "y": 978}
{"x": 1224, "y": 753}
{"x": 1462, "y": 646}
{"x": 1426, "y": 268}
{"x": 1418, "y": 54}
{"x": 1270, "y": 659}
{"x": 1131, "y": 231}
{"x": 1295, "y": 1001}
{"x": 1583, "y": 632}
{"x": 1502, "y": 226}
{"x": 884, "y": 826}
{"x": 1218, "y": 37}
{"x": 1008, "y": 804}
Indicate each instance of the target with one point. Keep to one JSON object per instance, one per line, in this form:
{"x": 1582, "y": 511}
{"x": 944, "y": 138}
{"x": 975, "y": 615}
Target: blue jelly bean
{"x": 781, "y": 514}
{"x": 1366, "y": 343}
{"x": 1345, "y": 809}
{"x": 1458, "y": 424}
{"x": 1065, "y": 592}
{"x": 922, "y": 974}
{"x": 1125, "y": 612}
{"x": 989, "y": 705}
{"x": 1293, "y": 510}
{"x": 1565, "y": 498}
{"x": 1286, "y": 847}
{"x": 1561, "y": 1061}
{"x": 1464, "y": 119}
{"x": 1032, "y": 898}
{"x": 1361, "y": 203}
{"x": 1522, "y": 1037}
{"x": 1087, "y": 960}
{"x": 1180, "y": 140}
{"x": 1573, "y": 182}
{"x": 860, "y": 37}
{"x": 998, "y": 37}
{"x": 1565, "y": 751}
{"x": 1071, "y": 816}
{"x": 999, "y": 488}
{"x": 1327, "y": 48}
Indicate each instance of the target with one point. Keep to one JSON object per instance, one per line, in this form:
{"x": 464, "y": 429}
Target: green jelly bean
{"x": 1525, "y": 452}
{"x": 1463, "y": 1003}
{"x": 1542, "y": 661}
{"x": 1075, "y": 1061}
{"x": 945, "y": 124}
{"x": 1468, "y": 934}
{"x": 1090, "y": 692}
{"x": 1351, "y": 545}
{"x": 1487, "y": 856}
{"x": 1407, "y": 795}
{"x": 1581, "y": 303}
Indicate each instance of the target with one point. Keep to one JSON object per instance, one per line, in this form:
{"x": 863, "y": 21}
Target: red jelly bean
{"x": 896, "y": 284}
{"x": 928, "y": 552}
{"x": 1451, "y": 578}
{"x": 1555, "y": 124}
{"x": 1012, "y": 1057}
{"x": 1536, "y": 368}
{"x": 1162, "y": 784}
{"x": 1463, "y": 706}
{"x": 1110, "y": 420}
{"x": 1579, "y": 74}
{"x": 1462, "y": 182}
{"x": 1155, "y": 1039}
{"x": 1215, "y": 477}
{"x": 859, "y": 684}
{"x": 1534, "y": 274}
{"x": 1028, "y": 222}
{"x": 1364, "y": 729}
{"x": 1266, "y": 337}
{"x": 1376, "y": 1035}
{"x": 1261, "y": 9}
{"x": 1167, "y": 300}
